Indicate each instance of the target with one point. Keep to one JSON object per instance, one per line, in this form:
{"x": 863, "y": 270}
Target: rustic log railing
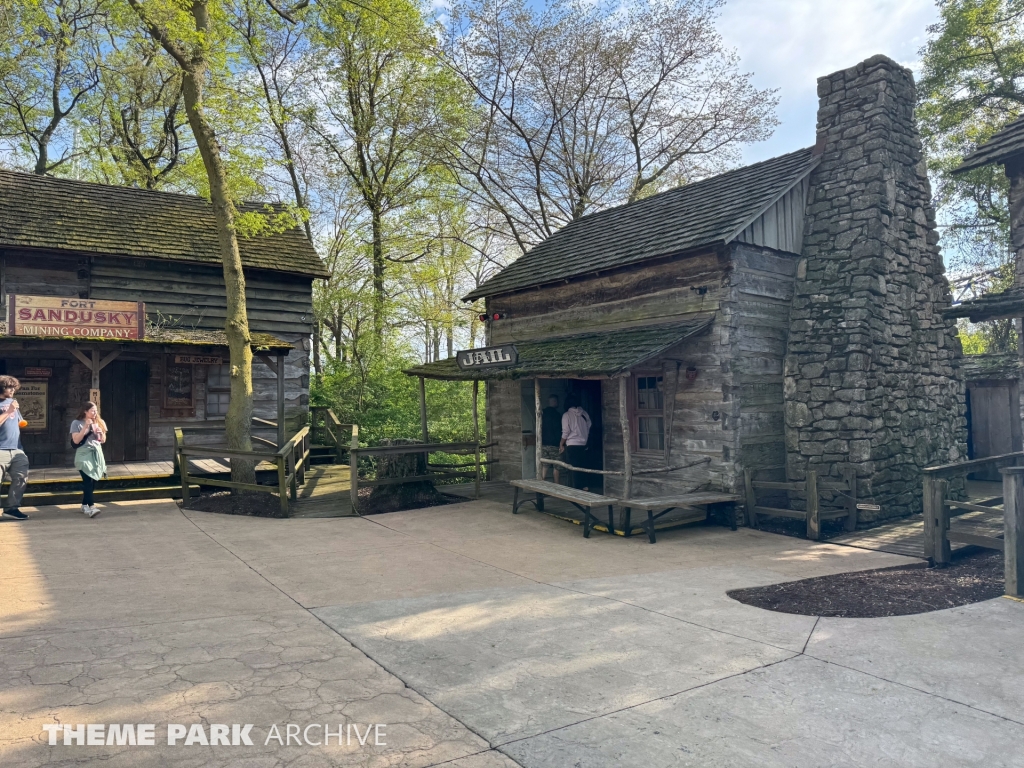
{"x": 434, "y": 471}
{"x": 811, "y": 488}
{"x": 290, "y": 460}
{"x": 328, "y": 430}
{"x": 938, "y": 533}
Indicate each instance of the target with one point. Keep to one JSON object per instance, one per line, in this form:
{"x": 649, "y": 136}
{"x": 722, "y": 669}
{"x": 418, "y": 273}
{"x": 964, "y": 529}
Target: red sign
{"x": 32, "y": 372}
{"x": 59, "y": 317}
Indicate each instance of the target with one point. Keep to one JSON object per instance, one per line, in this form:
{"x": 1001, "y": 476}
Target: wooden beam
{"x": 671, "y": 405}
{"x": 87, "y": 362}
{"x": 538, "y": 426}
{"x": 423, "y": 411}
{"x": 269, "y": 362}
{"x": 280, "y": 399}
{"x": 108, "y": 358}
{"x": 476, "y": 433}
{"x": 627, "y": 442}
{"x": 813, "y": 508}
{"x": 1013, "y": 534}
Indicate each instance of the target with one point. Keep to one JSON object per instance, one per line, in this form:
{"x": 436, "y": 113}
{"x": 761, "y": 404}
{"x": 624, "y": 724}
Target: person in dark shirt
{"x": 13, "y": 461}
{"x": 551, "y": 436}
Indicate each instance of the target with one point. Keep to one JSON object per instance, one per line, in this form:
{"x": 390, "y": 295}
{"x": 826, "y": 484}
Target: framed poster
{"x": 179, "y": 387}
{"x": 32, "y": 398}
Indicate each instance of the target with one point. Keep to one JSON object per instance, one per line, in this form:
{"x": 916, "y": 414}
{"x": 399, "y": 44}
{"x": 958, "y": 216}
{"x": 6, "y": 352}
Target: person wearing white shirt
{"x": 575, "y": 433}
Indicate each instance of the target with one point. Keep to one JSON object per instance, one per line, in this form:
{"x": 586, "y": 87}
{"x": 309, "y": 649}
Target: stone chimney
{"x": 870, "y": 380}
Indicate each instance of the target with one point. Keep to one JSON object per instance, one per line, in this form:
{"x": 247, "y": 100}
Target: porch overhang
{"x": 991, "y": 306}
{"x": 596, "y": 354}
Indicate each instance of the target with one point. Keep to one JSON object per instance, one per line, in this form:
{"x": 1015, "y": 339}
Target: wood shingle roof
{"x": 42, "y": 212}
{"x": 704, "y": 213}
{"x": 1003, "y": 145}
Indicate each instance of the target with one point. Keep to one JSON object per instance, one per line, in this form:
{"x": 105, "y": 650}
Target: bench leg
{"x": 540, "y": 502}
{"x": 732, "y": 516}
{"x": 650, "y": 526}
{"x": 515, "y": 501}
{"x": 586, "y": 522}
{"x": 627, "y": 530}
{"x": 611, "y": 519}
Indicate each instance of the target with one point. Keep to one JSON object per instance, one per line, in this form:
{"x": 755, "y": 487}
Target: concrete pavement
{"x": 481, "y": 640}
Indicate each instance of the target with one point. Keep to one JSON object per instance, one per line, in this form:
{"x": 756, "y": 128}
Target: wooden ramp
{"x": 325, "y": 493}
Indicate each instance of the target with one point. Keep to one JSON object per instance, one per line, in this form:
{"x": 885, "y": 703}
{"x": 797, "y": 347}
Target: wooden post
{"x": 280, "y": 401}
{"x": 1013, "y": 534}
{"x": 182, "y": 462}
{"x": 476, "y": 432}
{"x": 538, "y": 417}
{"x": 930, "y": 513}
{"x": 939, "y": 512}
{"x": 353, "y": 469}
{"x": 282, "y": 484}
{"x": 748, "y": 487}
{"x": 627, "y": 442}
{"x": 813, "y": 506}
{"x": 851, "y": 500}
{"x": 423, "y": 411}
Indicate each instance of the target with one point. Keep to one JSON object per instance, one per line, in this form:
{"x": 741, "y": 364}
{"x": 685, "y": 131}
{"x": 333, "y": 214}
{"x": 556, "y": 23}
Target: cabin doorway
{"x": 124, "y": 389}
{"x": 588, "y": 392}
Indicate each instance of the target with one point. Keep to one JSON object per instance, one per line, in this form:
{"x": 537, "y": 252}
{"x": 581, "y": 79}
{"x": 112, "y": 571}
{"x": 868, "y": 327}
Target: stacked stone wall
{"x": 870, "y": 380}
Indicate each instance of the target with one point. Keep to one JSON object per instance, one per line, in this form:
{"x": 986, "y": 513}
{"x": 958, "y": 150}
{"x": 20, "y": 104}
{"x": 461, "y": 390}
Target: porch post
{"x": 538, "y": 426}
{"x": 627, "y": 442}
{"x": 423, "y": 410}
{"x": 280, "y": 401}
{"x": 476, "y": 432}
{"x": 1013, "y": 536}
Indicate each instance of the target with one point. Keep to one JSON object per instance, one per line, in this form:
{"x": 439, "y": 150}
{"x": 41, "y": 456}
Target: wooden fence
{"x": 434, "y": 471}
{"x": 811, "y": 488}
{"x": 290, "y": 460}
{"x": 327, "y": 430}
{"x": 938, "y": 533}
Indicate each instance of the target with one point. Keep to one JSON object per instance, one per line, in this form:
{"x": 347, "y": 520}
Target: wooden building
{"x": 95, "y": 248}
{"x": 768, "y": 317}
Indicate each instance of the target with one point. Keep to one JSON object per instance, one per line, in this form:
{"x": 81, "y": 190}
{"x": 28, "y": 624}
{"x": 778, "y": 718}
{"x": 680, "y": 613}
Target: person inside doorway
{"x": 551, "y": 437}
{"x": 88, "y": 433}
{"x": 575, "y": 433}
{"x": 13, "y": 461}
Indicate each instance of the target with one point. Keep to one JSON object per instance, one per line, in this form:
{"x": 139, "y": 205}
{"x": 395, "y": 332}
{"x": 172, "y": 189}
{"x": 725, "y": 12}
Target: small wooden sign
{"x": 198, "y": 359}
{"x": 36, "y": 372}
{"x": 487, "y": 357}
{"x": 94, "y": 397}
{"x": 869, "y": 507}
{"x": 60, "y": 317}
{"x": 32, "y": 401}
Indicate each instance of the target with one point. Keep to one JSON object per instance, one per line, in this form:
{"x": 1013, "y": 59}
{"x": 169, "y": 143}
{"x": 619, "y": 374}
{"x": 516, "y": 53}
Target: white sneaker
{"x": 95, "y": 510}
{"x": 89, "y": 512}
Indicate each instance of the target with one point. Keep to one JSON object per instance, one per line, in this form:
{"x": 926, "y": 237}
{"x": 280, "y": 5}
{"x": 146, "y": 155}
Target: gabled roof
{"x": 704, "y": 213}
{"x": 82, "y": 217}
{"x": 604, "y": 353}
{"x": 1003, "y": 145}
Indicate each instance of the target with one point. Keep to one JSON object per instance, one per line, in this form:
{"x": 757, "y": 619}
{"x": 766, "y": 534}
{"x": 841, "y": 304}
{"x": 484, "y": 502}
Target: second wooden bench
{"x": 584, "y": 501}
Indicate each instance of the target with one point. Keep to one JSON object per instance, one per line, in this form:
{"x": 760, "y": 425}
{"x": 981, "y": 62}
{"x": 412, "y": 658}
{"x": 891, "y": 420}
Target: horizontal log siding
{"x": 505, "y": 429}
{"x": 757, "y": 317}
{"x": 194, "y": 295}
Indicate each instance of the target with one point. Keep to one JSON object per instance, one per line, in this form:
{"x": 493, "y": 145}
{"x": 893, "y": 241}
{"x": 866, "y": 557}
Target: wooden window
{"x": 649, "y": 413}
{"x": 218, "y": 390}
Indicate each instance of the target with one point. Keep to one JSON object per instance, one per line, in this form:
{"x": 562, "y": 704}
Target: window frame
{"x": 216, "y": 391}
{"x": 636, "y": 413}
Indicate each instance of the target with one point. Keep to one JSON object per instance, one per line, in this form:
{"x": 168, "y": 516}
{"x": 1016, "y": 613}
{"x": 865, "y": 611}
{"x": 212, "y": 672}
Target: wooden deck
{"x": 325, "y": 493}
{"x": 136, "y": 470}
{"x": 906, "y": 536}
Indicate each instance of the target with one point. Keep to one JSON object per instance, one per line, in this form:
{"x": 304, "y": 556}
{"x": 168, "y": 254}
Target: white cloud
{"x": 788, "y": 44}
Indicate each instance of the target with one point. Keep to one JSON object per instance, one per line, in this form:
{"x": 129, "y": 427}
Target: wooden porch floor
{"x": 136, "y": 470}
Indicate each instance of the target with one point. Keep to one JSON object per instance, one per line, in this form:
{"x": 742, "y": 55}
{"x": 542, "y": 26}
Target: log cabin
{"x": 75, "y": 257}
{"x": 782, "y": 316}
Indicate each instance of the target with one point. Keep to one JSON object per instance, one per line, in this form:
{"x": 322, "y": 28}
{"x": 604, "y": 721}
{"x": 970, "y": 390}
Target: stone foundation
{"x": 870, "y": 380}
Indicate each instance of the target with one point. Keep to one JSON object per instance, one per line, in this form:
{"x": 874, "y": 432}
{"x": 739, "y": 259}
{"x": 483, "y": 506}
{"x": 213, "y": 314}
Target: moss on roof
{"x": 82, "y": 217}
{"x": 1000, "y": 366}
{"x": 604, "y": 353}
{"x": 704, "y": 213}
{"x": 191, "y": 337}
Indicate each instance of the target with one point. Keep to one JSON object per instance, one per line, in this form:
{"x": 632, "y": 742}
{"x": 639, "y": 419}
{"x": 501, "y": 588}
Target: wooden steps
{"x": 45, "y": 498}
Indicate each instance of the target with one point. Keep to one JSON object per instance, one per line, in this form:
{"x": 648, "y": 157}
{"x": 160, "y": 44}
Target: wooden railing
{"x": 327, "y": 429}
{"x": 290, "y": 460}
{"x": 937, "y": 506}
{"x": 811, "y": 488}
{"x": 434, "y": 471}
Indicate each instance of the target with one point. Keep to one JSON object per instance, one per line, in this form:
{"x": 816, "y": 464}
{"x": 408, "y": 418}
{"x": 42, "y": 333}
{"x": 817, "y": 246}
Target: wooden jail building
{"x": 782, "y": 316}
{"x": 78, "y": 261}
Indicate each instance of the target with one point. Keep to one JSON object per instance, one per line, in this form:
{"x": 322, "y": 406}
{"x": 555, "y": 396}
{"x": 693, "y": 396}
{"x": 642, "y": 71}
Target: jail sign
{"x": 60, "y": 317}
{"x": 487, "y": 357}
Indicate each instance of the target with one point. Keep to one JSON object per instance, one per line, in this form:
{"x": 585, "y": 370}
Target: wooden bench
{"x": 584, "y": 501}
{"x": 702, "y": 503}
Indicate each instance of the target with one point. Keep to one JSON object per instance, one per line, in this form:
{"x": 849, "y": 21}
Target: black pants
{"x": 577, "y": 456}
{"x": 88, "y": 484}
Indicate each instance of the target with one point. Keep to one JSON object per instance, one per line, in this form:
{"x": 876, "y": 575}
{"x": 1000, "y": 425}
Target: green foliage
{"x": 972, "y": 85}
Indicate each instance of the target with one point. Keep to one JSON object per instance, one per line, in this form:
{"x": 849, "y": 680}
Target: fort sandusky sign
{"x": 84, "y": 318}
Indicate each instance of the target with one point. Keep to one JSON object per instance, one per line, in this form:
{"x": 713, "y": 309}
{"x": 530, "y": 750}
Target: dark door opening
{"x": 124, "y": 389}
{"x": 588, "y": 392}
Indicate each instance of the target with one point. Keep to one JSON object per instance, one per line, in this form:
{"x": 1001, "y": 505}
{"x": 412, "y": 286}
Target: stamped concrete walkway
{"x": 481, "y": 641}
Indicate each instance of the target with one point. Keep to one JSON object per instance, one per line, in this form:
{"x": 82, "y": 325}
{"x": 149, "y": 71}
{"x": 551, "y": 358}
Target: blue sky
{"x": 788, "y": 44}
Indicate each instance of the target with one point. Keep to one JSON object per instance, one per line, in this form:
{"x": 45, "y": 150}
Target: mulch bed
{"x": 897, "y": 591}
{"x": 226, "y": 503}
{"x": 369, "y": 504}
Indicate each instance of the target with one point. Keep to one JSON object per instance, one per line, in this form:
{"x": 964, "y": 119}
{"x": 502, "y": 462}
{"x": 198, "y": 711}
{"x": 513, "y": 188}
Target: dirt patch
{"x": 371, "y": 503}
{"x": 226, "y": 503}
{"x": 897, "y": 591}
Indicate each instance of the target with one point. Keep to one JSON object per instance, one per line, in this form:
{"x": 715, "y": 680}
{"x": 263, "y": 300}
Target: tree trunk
{"x": 238, "y": 421}
{"x": 378, "y": 273}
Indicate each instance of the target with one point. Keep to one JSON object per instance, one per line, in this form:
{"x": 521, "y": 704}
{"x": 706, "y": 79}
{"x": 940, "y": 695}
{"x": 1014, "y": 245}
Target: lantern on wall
{"x": 691, "y": 373}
